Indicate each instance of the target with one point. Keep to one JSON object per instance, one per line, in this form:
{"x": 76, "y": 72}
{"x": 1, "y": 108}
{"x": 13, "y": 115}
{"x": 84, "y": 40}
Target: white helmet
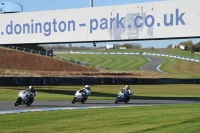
{"x": 127, "y": 87}
{"x": 87, "y": 87}
{"x": 30, "y": 86}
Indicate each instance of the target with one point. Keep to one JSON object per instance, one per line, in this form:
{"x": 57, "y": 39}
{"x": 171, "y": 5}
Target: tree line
{"x": 64, "y": 47}
{"x": 128, "y": 46}
{"x": 189, "y": 46}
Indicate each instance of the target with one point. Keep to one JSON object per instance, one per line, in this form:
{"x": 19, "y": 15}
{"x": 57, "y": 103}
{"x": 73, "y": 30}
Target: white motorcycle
{"x": 23, "y": 98}
{"x": 79, "y": 96}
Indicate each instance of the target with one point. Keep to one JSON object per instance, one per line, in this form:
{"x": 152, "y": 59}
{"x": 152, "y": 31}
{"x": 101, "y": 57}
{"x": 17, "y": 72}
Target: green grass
{"x": 182, "y": 53}
{"x": 110, "y": 62}
{"x": 172, "y": 51}
{"x": 150, "y": 119}
{"x": 124, "y": 50}
{"x": 181, "y": 67}
{"x": 129, "y": 63}
{"x": 107, "y": 92}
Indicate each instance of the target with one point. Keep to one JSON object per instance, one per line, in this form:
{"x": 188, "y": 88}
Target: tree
{"x": 197, "y": 47}
{"x": 31, "y": 46}
{"x": 192, "y": 49}
{"x": 136, "y": 46}
{"x": 59, "y": 47}
{"x": 127, "y": 45}
{"x": 82, "y": 47}
{"x": 152, "y": 48}
{"x": 70, "y": 46}
{"x": 187, "y": 45}
{"x": 116, "y": 46}
{"x": 169, "y": 46}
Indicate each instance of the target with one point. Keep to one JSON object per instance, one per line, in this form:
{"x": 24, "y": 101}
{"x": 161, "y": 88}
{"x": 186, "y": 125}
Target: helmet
{"x": 30, "y": 87}
{"x": 127, "y": 87}
{"x": 87, "y": 87}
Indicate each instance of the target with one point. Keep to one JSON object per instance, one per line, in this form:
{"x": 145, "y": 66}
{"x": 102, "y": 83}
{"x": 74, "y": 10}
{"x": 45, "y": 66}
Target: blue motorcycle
{"x": 124, "y": 96}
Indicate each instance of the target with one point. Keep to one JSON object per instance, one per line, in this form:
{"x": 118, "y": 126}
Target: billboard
{"x": 164, "y": 19}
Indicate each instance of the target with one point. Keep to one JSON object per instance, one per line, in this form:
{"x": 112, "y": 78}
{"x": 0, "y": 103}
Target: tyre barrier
{"x": 25, "y": 81}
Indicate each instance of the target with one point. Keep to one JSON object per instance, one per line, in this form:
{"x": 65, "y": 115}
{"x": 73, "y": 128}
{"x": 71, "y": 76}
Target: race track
{"x": 153, "y": 65}
{"x": 9, "y": 105}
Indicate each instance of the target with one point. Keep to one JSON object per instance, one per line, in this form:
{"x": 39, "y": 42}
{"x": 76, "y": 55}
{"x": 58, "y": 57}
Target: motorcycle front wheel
{"x": 19, "y": 100}
{"x": 116, "y": 101}
{"x": 74, "y": 100}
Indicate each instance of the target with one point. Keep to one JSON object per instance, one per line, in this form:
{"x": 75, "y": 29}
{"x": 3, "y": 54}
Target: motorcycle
{"x": 123, "y": 97}
{"x": 79, "y": 96}
{"x": 23, "y": 98}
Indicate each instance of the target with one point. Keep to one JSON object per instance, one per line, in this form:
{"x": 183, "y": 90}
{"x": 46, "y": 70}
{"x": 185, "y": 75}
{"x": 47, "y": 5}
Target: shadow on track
{"x": 122, "y": 103}
{"x": 114, "y": 96}
{"x": 40, "y": 106}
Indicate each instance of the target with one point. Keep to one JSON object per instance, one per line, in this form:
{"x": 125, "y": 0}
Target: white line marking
{"x": 145, "y": 64}
{"x": 67, "y": 108}
{"x": 158, "y": 68}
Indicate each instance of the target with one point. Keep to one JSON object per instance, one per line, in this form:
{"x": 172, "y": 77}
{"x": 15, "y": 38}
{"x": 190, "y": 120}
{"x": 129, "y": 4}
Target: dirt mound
{"x": 11, "y": 59}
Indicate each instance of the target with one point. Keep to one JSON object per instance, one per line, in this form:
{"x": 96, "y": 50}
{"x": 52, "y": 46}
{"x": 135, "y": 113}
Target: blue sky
{"x": 41, "y": 5}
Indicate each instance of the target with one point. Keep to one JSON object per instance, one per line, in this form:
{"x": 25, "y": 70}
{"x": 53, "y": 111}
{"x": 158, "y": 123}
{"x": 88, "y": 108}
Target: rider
{"x": 126, "y": 89}
{"x": 31, "y": 90}
{"x": 86, "y": 88}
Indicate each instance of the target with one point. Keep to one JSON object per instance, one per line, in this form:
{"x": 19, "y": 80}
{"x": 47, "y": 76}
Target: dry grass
{"x": 112, "y": 74}
{"x": 11, "y": 59}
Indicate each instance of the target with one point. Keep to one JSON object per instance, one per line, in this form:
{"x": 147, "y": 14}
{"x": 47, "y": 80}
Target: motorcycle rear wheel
{"x": 30, "y": 102}
{"x": 127, "y": 100}
{"x": 83, "y": 101}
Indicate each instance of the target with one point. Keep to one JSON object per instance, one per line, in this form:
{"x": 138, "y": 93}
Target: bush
{"x": 92, "y": 67}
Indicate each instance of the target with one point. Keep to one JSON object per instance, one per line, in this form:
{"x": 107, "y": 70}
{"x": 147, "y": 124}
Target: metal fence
{"x": 44, "y": 53}
{"x": 71, "y": 60}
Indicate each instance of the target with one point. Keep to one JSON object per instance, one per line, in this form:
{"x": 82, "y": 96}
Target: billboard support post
{"x": 91, "y": 3}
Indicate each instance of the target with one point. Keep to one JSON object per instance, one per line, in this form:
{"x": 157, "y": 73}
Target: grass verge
{"x": 150, "y": 119}
{"x": 181, "y": 67}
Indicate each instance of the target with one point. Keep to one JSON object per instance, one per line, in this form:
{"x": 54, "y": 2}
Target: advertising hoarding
{"x": 164, "y": 19}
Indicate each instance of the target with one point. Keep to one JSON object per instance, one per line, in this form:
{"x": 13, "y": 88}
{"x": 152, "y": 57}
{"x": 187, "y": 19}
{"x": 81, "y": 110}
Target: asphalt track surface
{"x": 9, "y": 105}
{"x": 154, "y": 64}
